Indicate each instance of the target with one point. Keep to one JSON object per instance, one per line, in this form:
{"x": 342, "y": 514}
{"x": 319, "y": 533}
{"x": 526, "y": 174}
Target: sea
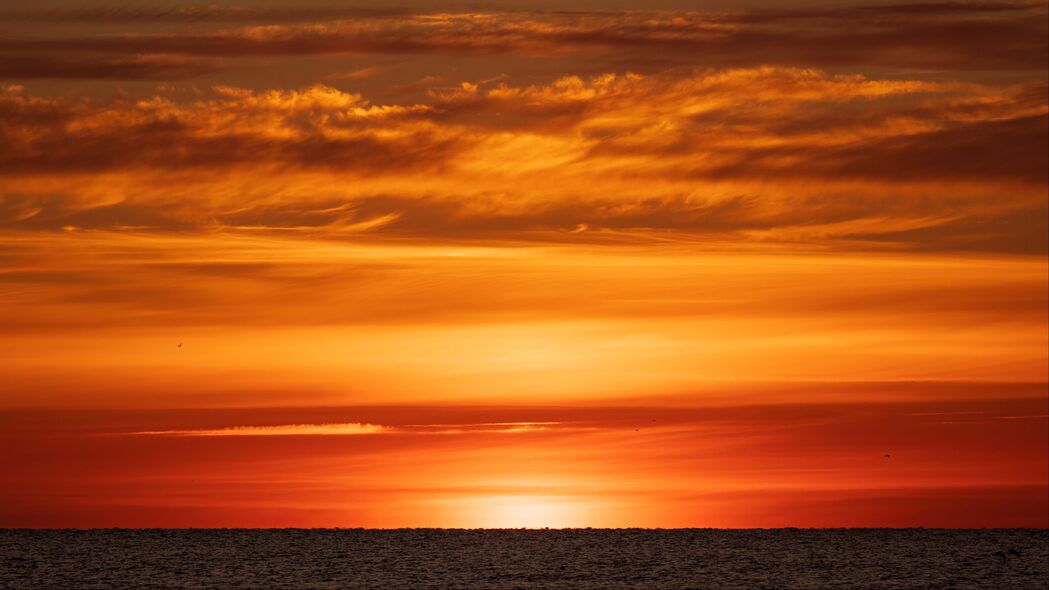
{"x": 510, "y": 559}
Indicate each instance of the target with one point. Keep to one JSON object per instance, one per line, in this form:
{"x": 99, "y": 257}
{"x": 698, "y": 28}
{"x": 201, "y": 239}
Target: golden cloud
{"x": 754, "y": 153}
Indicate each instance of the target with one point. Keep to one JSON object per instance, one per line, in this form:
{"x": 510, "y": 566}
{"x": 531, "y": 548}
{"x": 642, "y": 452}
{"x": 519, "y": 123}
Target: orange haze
{"x": 524, "y": 267}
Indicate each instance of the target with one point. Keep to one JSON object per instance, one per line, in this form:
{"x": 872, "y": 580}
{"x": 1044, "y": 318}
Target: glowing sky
{"x": 524, "y": 264}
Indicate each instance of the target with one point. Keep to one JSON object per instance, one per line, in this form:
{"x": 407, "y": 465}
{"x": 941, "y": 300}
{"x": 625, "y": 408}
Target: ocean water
{"x": 562, "y": 559}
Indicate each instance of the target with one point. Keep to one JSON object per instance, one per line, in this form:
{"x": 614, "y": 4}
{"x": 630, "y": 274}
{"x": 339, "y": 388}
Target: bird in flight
{"x": 888, "y": 456}
{"x": 180, "y": 345}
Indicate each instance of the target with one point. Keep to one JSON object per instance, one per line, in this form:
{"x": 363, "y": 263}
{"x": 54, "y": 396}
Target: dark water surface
{"x": 430, "y": 558}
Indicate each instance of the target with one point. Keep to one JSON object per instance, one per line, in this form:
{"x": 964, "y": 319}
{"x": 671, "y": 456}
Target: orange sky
{"x": 630, "y": 265}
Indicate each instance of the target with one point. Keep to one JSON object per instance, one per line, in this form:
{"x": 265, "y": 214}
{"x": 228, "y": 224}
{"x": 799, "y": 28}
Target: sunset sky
{"x": 526, "y": 263}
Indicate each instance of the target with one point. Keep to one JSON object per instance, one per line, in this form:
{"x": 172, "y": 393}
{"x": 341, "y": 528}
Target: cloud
{"x": 192, "y": 14}
{"x": 357, "y": 428}
{"x": 357, "y": 74}
{"x": 141, "y": 67}
{"x": 318, "y": 127}
{"x": 277, "y": 14}
{"x": 1011, "y": 150}
{"x": 959, "y": 36}
{"x": 765, "y": 154}
{"x": 341, "y": 429}
{"x": 1024, "y": 230}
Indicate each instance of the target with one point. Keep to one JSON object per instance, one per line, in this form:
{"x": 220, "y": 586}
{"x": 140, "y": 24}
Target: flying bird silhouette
{"x": 888, "y": 456}
{"x": 180, "y": 345}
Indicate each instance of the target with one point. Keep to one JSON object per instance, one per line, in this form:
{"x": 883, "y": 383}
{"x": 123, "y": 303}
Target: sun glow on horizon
{"x": 522, "y": 511}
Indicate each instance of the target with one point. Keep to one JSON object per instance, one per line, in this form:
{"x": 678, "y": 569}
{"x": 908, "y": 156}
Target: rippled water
{"x": 430, "y": 558}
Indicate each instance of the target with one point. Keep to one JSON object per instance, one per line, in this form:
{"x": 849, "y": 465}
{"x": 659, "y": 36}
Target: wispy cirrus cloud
{"x": 359, "y": 428}
{"x": 336, "y": 429}
{"x": 706, "y": 152}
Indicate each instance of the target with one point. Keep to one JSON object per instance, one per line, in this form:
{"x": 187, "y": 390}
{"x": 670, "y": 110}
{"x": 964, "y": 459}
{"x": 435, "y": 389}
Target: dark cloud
{"x": 961, "y": 36}
{"x": 162, "y": 146}
{"x": 40, "y": 142}
{"x": 193, "y": 14}
{"x": 218, "y": 13}
{"x": 886, "y": 11}
{"x": 1019, "y": 228}
{"x": 1022, "y": 231}
{"x": 940, "y": 8}
{"x": 930, "y": 401}
{"x": 1007, "y": 150}
{"x": 63, "y": 66}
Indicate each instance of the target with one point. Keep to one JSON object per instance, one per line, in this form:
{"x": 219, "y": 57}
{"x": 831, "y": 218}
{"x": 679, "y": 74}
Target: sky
{"x": 524, "y": 264}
